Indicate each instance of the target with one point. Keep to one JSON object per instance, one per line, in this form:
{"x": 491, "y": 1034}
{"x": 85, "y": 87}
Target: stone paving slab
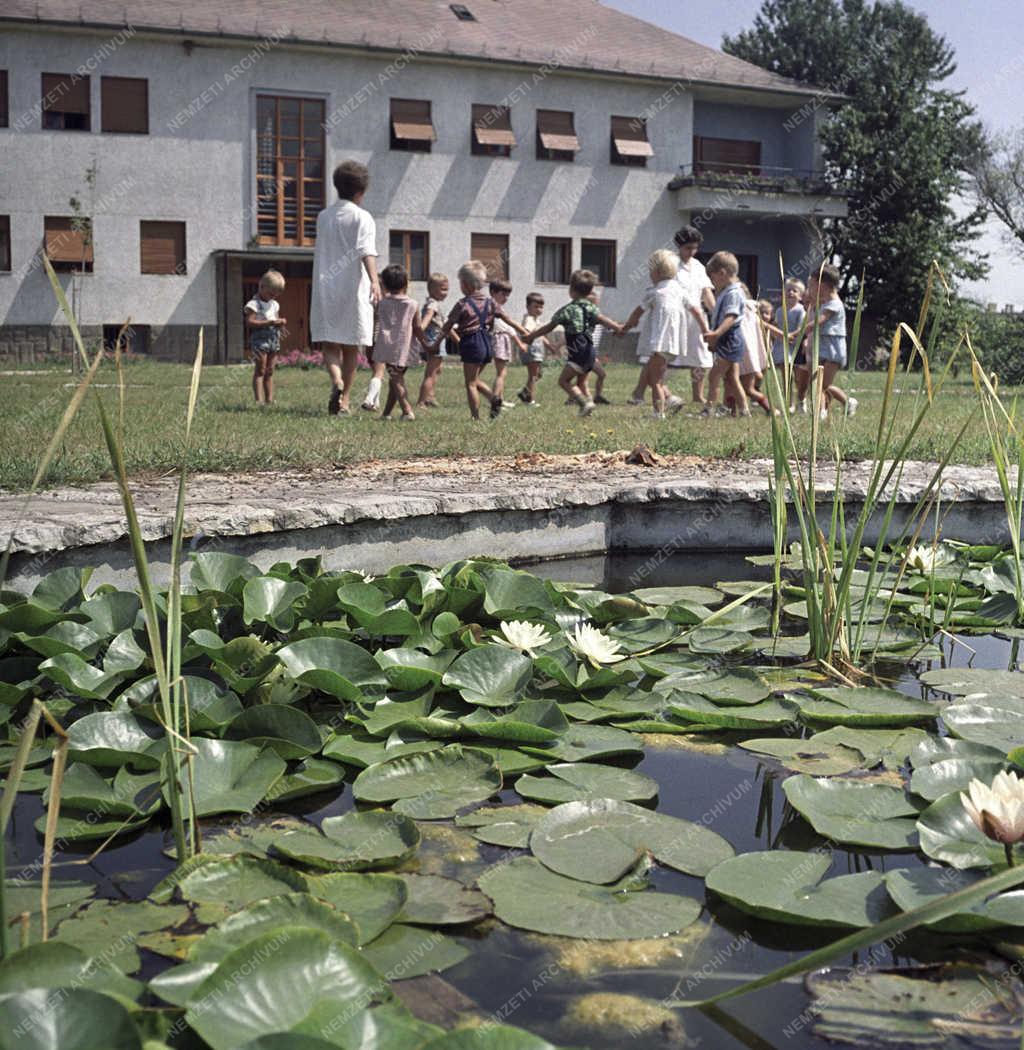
{"x": 262, "y": 503}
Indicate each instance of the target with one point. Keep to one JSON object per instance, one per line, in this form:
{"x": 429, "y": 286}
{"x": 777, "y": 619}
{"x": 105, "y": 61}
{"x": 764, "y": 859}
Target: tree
{"x": 998, "y": 182}
{"x": 900, "y": 142}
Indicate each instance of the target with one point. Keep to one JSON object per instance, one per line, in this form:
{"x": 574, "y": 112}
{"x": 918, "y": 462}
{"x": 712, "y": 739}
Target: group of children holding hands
{"x": 728, "y": 350}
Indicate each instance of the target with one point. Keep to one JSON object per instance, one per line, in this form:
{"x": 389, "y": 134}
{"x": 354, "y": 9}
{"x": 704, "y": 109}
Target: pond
{"x": 723, "y": 745}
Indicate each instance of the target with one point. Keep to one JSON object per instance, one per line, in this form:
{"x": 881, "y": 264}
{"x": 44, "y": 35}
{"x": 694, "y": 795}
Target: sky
{"x": 989, "y": 43}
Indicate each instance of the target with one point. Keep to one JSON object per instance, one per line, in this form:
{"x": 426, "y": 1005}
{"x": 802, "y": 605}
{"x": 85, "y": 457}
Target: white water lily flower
{"x": 922, "y": 558}
{"x": 997, "y": 810}
{"x": 594, "y": 645}
{"x": 524, "y": 636}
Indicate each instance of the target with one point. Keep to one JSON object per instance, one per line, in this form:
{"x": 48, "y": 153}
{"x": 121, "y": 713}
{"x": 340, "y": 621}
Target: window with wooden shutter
{"x": 492, "y": 250}
{"x": 65, "y": 102}
{"x": 289, "y": 168}
{"x": 412, "y": 128}
{"x": 553, "y": 263}
{"x": 556, "y": 135}
{"x": 492, "y": 131}
{"x": 162, "y": 247}
{"x": 731, "y": 156}
{"x": 68, "y": 242}
{"x": 4, "y": 116}
{"x": 124, "y": 105}
{"x": 411, "y": 249}
{"x": 629, "y": 142}
{"x": 599, "y": 256}
{"x": 5, "y": 242}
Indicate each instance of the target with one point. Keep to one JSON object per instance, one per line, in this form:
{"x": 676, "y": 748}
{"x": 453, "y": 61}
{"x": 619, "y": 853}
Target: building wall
{"x": 197, "y": 164}
{"x": 787, "y": 139}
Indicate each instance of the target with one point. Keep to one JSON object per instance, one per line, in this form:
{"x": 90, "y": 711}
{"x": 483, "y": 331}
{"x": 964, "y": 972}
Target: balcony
{"x": 728, "y": 188}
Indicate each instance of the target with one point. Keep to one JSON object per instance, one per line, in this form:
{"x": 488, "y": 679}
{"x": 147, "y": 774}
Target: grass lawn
{"x": 232, "y": 434}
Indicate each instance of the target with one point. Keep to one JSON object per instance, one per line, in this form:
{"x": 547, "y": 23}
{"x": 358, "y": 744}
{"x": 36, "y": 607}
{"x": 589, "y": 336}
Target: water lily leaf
{"x": 944, "y": 764}
{"x": 513, "y": 593}
{"x": 790, "y": 887}
{"x": 54, "y": 964}
{"x": 580, "y": 743}
{"x": 840, "y": 749}
{"x": 229, "y": 776}
{"x": 108, "y": 930}
{"x": 644, "y": 634}
{"x": 671, "y": 595}
{"x": 401, "y": 952}
{"x": 531, "y": 722}
{"x": 112, "y": 738}
{"x": 871, "y": 815}
{"x": 508, "y": 826}
{"x": 65, "y": 637}
{"x": 527, "y": 895}
{"x": 127, "y": 795}
{"x": 435, "y": 901}
{"x": 490, "y": 675}
{"x": 948, "y": 834}
{"x": 110, "y": 614}
{"x": 372, "y": 610}
{"x": 599, "y": 841}
{"x": 177, "y": 984}
{"x": 123, "y": 655}
{"x": 734, "y": 687}
{"x": 704, "y": 712}
{"x": 210, "y": 707}
{"x": 309, "y": 776}
{"x": 28, "y": 617}
{"x": 332, "y": 666}
{"x": 995, "y": 721}
{"x": 862, "y": 706}
{"x": 225, "y": 574}
{"x": 936, "y": 1010}
{"x": 79, "y": 678}
{"x": 373, "y": 902}
{"x": 266, "y": 599}
{"x": 62, "y": 589}
{"x": 718, "y": 640}
{"x": 232, "y": 882}
{"x": 299, "y": 970}
{"x": 361, "y": 750}
{"x": 914, "y": 887}
{"x": 512, "y": 762}
{"x": 355, "y": 841}
{"x": 963, "y": 680}
{"x": 287, "y": 730}
{"x": 86, "y": 1020}
{"x": 410, "y": 669}
{"x": 571, "y": 782}
{"x": 430, "y": 786}
{"x": 288, "y": 909}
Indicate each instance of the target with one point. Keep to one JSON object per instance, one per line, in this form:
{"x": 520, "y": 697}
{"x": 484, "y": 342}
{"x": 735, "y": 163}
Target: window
{"x": 289, "y": 168}
{"x": 629, "y": 142}
{"x": 492, "y": 131}
{"x": 412, "y": 250}
{"x": 556, "y": 135}
{"x": 162, "y": 247}
{"x": 729, "y": 156}
{"x": 65, "y": 102}
{"x": 134, "y": 339}
{"x": 462, "y": 13}
{"x": 412, "y": 129}
{"x": 124, "y": 105}
{"x": 5, "y": 242}
{"x": 747, "y": 272}
{"x": 492, "y": 250}
{"x": 68, "y": 243}
{"x": 3, "y": 99}
{"x": 599, "y": 256}
{"x": 554, "y": 260}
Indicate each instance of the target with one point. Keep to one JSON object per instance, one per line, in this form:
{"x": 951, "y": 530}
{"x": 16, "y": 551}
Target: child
{"x": 788, "y": 320}
{"x": 473, "y": 317}
{"x": 345, "y": 284}
{"x": 755, "y": 352}
{"x": 599, "y": 370}
{"x": 666, "y": 313}
{"x": 432, "y": 318}
{"x": 504, "y": 337}
{"x": 578, "y": 318}
{"x": 377, "y": 369}
{"x": 264, "y": 326}
{"x": 827, "y": 315}
{"x": 398, "y": 324}
{"x": 725, "y": 337}
{"x": 535, "y": 353}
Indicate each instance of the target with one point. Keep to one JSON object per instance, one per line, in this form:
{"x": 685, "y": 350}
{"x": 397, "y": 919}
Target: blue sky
{"x": 989, "y": 43}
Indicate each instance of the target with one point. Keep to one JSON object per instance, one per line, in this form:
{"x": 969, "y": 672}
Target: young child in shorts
{"x": 432, "y": 319}
{"x": 473, "y": 318}
{"x": 579, "y": 317}
{"x": 664, "y": 309}
{"x": 506, "y": 341}
{"x": 398, "y": 325}
{"x": 264, "y": 327}
{"x": 827, "y": 316}
{"x": 535, "y": 354}
{"x": 725, "y": 337}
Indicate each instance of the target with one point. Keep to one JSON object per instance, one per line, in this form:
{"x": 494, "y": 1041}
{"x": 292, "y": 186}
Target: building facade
{"x": 163, "y": 167}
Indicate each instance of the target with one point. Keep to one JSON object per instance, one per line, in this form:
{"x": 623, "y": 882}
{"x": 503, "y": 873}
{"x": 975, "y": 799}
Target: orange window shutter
{"x": 124, "y": 103}
{"x": 492, "y": 126}
{"x": 410, "y": 119}
{"x": 556, "y": 130}
{"x": 630, "y": 137}
{"x": 64, "y": 243}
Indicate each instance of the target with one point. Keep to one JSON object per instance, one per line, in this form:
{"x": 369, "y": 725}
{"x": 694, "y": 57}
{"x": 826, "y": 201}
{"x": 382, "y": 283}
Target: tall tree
{"x": 900, "y": 141}
{"x": 998, "y": 175}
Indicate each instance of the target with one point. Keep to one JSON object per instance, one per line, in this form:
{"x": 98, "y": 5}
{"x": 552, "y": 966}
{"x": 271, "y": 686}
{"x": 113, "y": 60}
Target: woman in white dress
{"x": 699, "y": 297}
{"x": 345, "y": 285}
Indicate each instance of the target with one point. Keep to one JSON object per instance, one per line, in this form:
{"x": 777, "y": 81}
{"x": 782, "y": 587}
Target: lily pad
{"x": 579, "y": 781}
{"x": 433, "y": 785}
{"x": 333, "y": 666}
{"x": 375, "y": 612}
{"x": 996, "y": 721}
{"x": 234, "y": 882}
{"x": 944, "y": 764}
{"x": 600, "y": 841}
{"x": 840, "y": 749}
{"x": 960, "y": 681}
{"x": 286, "y": 730}
{"x": 862, "y": 706}
{"x": 361, "y": 750}
{"x": 402, "y": 952}
{"x": 86, "y": 1020}
{"x": 508, "y": 826}
{"x": 354, "y": 842}
{"x": 736, "y": 686}
{"x": 373, "y": 902}
{"x": 79, "y": 678}
{"x": 914, "y": 887}
{"x": 490, "y": 675}
{"x": 229, "y": 776}
{"x": 581, "y": 743}
{"x": 309, "y": 776}
{"x": 527, "y": 895}
{"x": 435, "y": 901}
{"x": 411, "y": 669}
{"x": 222, "y": 573}
{"x": 209, "y": 706}
{"x": 57, "y": 965}
{"x": 266, "y": 599}
{"x": 948, "y": 834}
{"x": 705, "y": 712}
{"x": 112, "y": 738}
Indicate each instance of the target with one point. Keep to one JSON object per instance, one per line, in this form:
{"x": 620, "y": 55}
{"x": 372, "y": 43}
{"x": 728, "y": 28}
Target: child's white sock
{"x": 373, "y": 392}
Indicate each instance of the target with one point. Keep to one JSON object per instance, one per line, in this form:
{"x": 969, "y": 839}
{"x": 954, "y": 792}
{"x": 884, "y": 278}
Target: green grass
{"x": 231, "y": 434}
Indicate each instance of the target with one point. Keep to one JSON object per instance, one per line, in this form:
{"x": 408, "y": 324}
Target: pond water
{"x": 532, "y": 981}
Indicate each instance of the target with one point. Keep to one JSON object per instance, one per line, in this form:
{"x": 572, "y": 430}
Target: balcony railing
{"x": 758, "y": 179}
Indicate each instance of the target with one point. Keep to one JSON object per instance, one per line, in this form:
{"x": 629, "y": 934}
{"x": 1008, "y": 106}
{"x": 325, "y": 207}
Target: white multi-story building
{"x": 164, "y": 155}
